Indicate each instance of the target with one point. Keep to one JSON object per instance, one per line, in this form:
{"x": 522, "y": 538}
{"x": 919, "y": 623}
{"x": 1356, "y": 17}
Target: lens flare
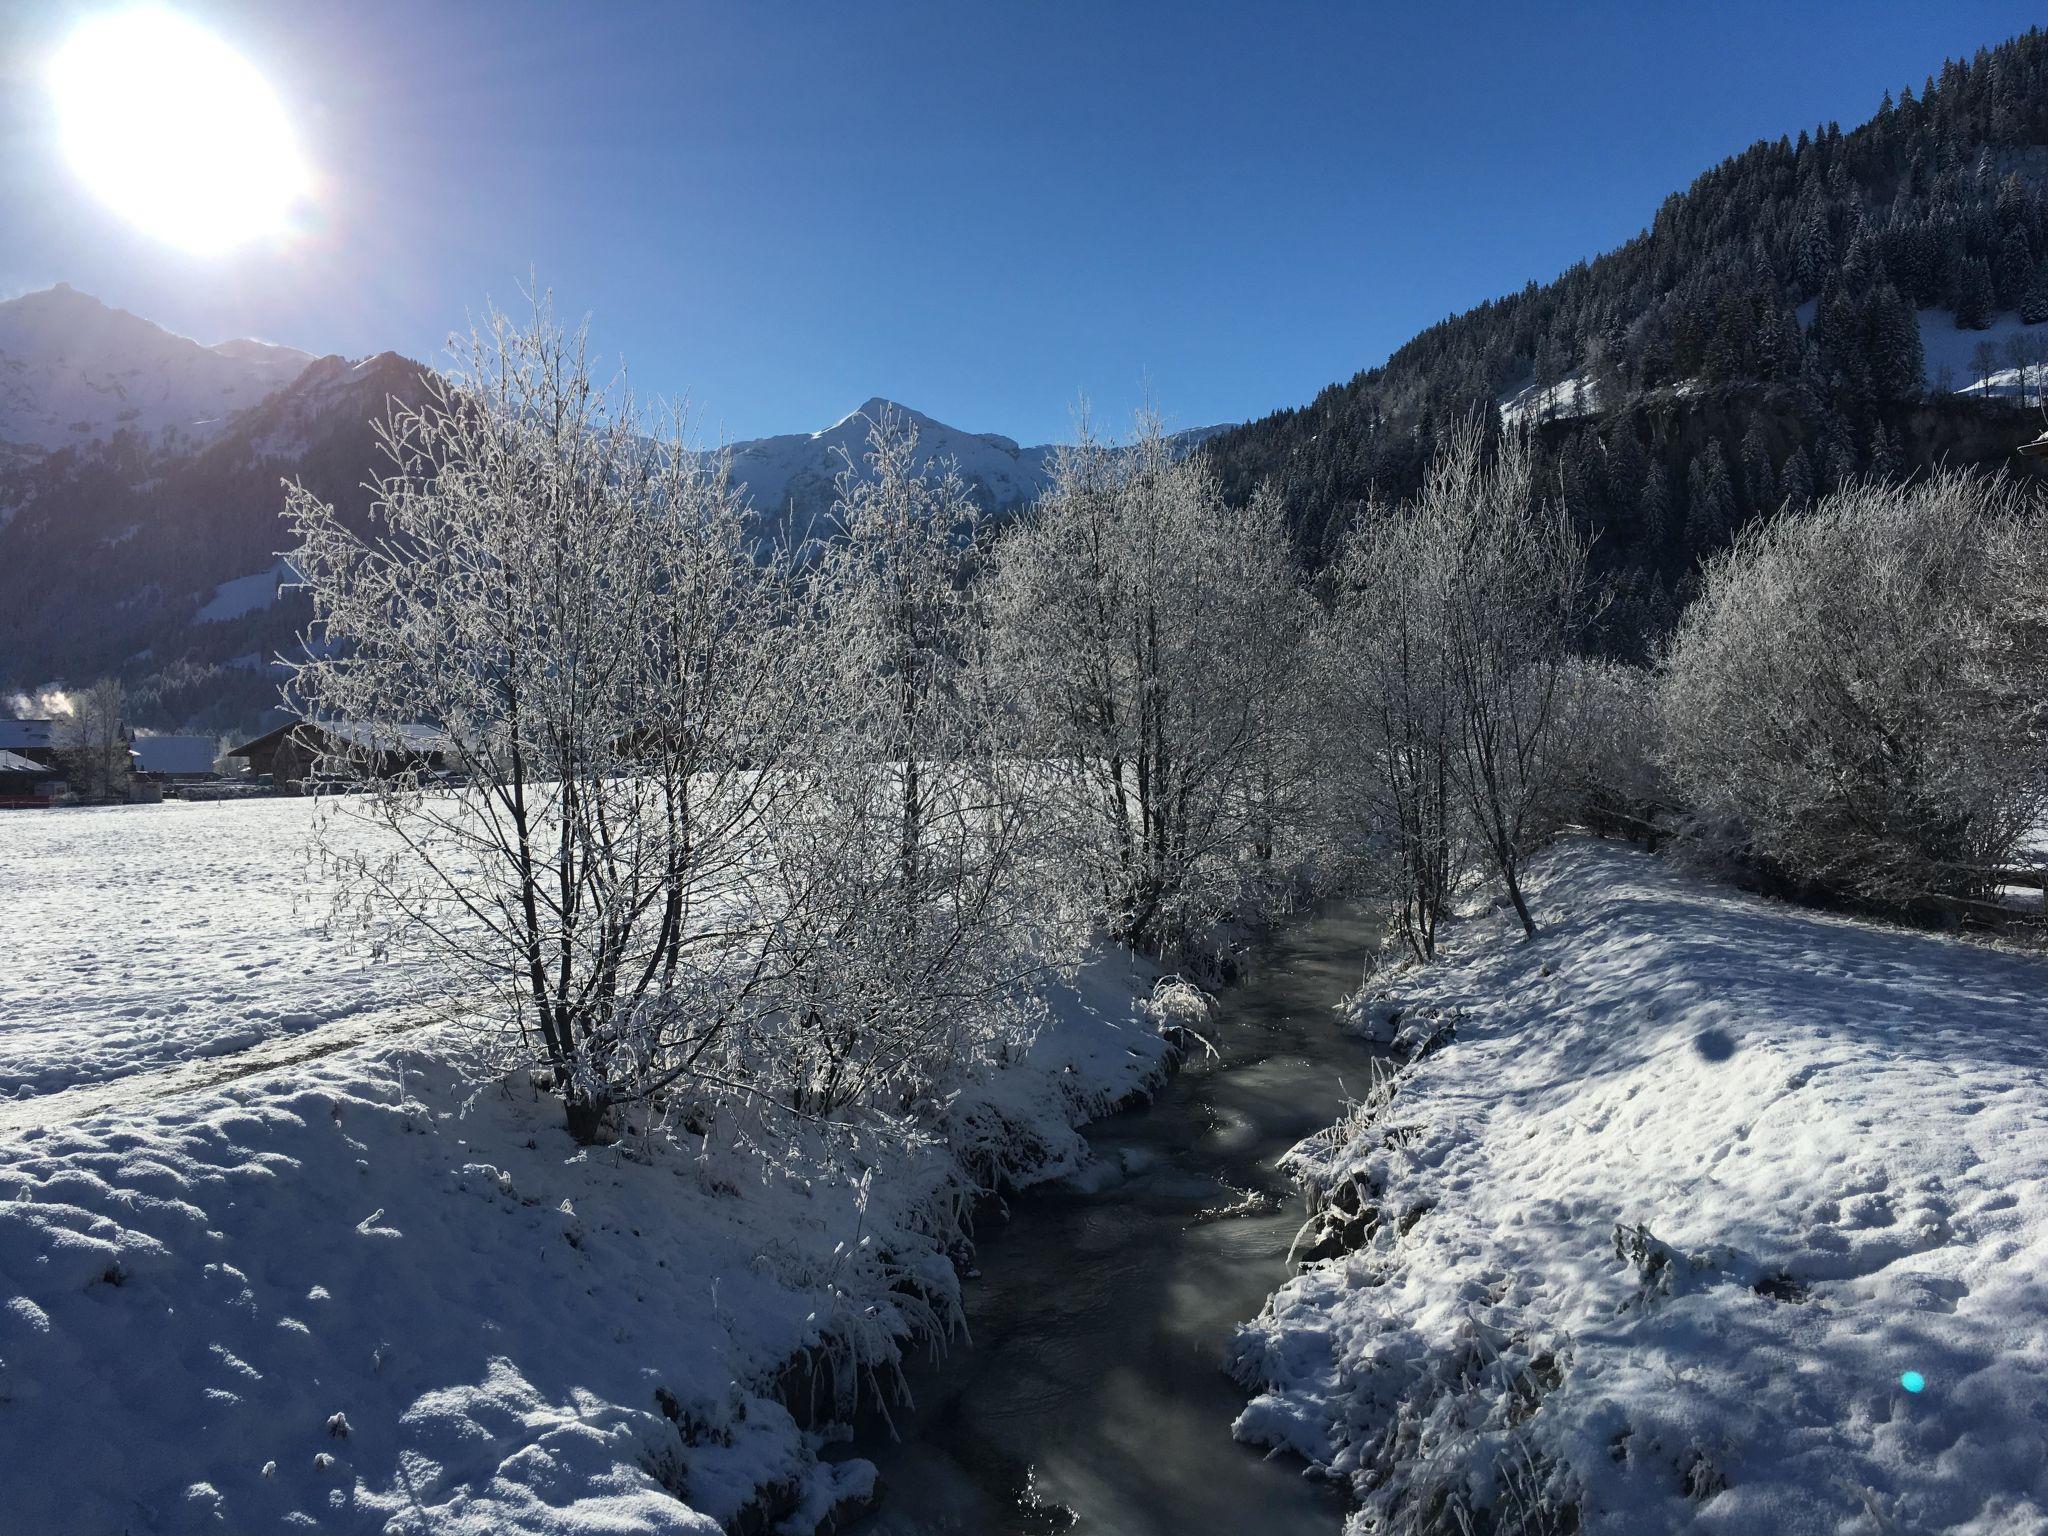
{"x": 175, "y": 131}
{"x": 1913, "y": 1381}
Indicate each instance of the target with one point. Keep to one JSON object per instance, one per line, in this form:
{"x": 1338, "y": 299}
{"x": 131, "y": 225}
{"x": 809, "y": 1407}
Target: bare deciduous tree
{"x": 914, "y": 960}
{"x": 1462, "y": 610}
{"x": 572, "y": 615}
{"x": 92, "y": 743}
{"x": 1145, "y": 632}
{"x": 1391, "y": 684}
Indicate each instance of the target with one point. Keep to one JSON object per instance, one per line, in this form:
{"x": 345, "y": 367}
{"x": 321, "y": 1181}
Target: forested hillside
{"x": 1812, "y": 309}
{"x": 158, "y": 565}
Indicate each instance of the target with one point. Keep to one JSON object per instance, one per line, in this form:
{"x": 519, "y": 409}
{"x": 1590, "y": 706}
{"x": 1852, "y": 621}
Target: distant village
{"x": 59, "y": 761}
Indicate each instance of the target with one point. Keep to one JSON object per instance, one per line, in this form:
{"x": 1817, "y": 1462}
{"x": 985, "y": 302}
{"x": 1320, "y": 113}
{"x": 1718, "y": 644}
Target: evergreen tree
{"x": 1974, "y": 295}
{"x": 2034, "y": 302}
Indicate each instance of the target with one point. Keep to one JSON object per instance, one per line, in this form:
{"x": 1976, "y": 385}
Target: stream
{"x": 1093, "y": 1396}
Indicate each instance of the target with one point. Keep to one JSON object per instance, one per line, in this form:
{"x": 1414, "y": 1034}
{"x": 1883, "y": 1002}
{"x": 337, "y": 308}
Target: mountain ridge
{"x": 1786, "y": 324}
{"x": 144, "y": 545}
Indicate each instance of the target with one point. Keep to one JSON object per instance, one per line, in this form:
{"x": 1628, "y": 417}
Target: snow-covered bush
{"x": 912, "y": 915}
{"x": 1610, "y": 777}
{"x": 1853, "y": 701}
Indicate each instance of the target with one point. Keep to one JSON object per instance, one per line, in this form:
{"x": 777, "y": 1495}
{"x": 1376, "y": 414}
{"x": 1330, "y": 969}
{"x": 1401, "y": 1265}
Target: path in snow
{"x": 139, "y": 1089}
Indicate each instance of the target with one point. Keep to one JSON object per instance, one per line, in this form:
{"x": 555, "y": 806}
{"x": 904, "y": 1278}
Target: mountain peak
{"x": 79, "y": 371}
{"x": 873, "y": 409}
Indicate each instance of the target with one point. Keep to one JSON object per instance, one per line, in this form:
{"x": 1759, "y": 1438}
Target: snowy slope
{"x": 359, "y": 1293}
{"x": 1660, "y": 1236}
{"x": 74, "y": 371}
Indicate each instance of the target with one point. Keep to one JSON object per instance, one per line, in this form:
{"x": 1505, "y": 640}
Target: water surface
{"x": 1093, "y": 1397}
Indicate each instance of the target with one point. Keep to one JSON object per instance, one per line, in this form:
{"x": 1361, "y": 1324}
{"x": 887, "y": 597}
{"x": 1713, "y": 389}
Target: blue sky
{"x": 984, "y": 211}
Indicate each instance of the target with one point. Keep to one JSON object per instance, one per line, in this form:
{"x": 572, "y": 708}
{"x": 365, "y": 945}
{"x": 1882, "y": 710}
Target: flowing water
{"x": 1093, "y": 1397}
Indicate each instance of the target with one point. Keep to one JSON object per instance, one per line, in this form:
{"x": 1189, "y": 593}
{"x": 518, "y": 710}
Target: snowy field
{"x": 1718, "y": 1215}
{"x": 144, "y": 936}
{"x": 357, "y": 1293}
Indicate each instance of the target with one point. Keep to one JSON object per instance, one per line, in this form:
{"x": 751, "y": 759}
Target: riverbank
{"x": 361, "y": 1292}
{"x": 1713, "y": 1214}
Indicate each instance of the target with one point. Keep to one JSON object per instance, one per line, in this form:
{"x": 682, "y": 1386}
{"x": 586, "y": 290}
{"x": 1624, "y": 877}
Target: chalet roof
{"x": 389, "y": 736}
{"x": 17, "y": 734}
{"x": 378, "y": 735}
{"x": 14, "y": 763}
{"x": 175, "y": 754}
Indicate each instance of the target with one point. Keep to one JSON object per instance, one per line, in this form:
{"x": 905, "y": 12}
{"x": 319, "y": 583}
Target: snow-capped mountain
{"x": 73, "y": 370}
{"x": 790, "y": 478}
{"x": 150, "y": 554}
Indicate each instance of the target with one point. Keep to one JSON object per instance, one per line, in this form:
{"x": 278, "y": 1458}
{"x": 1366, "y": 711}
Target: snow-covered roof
{"x": 387, "y": 735}
{"x": 175, "y": 754}
{"x": 13, "y": 763}
{"x": 16, "y": 734}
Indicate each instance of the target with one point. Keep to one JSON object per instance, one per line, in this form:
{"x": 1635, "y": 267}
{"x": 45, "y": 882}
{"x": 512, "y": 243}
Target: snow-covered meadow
{"x": 141, "y": 937}
{"x": 1715, "y": 1215}
{"x": 344, "y": 1287}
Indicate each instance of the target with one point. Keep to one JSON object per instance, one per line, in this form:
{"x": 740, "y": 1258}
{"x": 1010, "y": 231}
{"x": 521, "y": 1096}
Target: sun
{"x": 176, "y": 132}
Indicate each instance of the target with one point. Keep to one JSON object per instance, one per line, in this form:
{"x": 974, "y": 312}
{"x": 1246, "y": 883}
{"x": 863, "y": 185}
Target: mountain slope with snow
{"x": 74, "y": 371}
{"x": 149, "y": 552}
{"x": 790, "y": 478}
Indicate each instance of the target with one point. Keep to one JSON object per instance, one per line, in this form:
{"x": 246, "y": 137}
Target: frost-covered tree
{"x": 92, "y": 744}
{"x": 1460, "y": 611}
{"x": 1144, "y": 630}
{"x": 1391, "y": 686}
{"x": 1513, "y": 575}
{"x": 911, "y": 914}
{"x": 569, "y": 614}
{"x": 1854, "y": 698}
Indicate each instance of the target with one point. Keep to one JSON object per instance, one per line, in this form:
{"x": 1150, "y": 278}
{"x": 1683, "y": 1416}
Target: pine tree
{"x": 1974, "y": 296}
{"x": 2034, "y": 302}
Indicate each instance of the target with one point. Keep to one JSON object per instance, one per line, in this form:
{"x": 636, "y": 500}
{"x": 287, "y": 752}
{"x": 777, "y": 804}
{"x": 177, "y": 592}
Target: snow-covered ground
{"x": 354, "y": 1291}
{"x": 143, "y": 936}
{"x": 1562, "y": 401}
{"x": 1716, "y": 1215}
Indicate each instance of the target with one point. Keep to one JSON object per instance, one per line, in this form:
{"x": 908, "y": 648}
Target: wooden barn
{"x": 291, "y": 755}
{"x": 175, "y": 759}
{"x": 25, "y": 783}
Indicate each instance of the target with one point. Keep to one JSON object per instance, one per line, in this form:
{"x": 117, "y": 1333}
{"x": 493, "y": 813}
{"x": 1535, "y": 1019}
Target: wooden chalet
{"x": 300, "y": 752}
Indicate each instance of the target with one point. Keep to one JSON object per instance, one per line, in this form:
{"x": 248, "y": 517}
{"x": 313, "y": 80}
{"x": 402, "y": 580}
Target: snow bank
{"x": 362, "y": 1293}
{"x": 1654, "y": 1242}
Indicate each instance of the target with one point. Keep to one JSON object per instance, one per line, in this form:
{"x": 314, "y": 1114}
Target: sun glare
{"x": 175, "y": 131}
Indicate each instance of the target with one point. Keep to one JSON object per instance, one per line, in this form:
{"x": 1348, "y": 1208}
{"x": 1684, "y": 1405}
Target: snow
{"x": 143, "y": 936}
{"x": 73, "y": 370}
{"x": 341, "y": 1286}
{"x": 1943, "y": 346}
{"x": 242, "y": 595}
{"x": 1658, "y": 1235}
{"x": 1563, "y": 401}
{"x": 27, "y": 735}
